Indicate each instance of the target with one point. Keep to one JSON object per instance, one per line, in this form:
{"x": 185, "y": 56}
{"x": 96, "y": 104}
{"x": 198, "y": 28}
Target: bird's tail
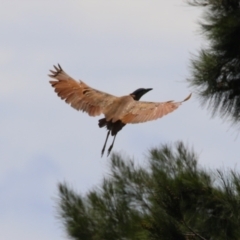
{"x": 102, "y": 122}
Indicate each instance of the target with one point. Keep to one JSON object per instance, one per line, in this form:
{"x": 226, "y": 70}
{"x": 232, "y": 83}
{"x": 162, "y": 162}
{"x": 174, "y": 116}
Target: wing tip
{"x": 187, "y": 98}
{"x": 54, "y": 73}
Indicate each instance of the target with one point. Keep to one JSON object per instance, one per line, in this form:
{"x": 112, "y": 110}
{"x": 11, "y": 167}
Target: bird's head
{"x": 137, "y": 94}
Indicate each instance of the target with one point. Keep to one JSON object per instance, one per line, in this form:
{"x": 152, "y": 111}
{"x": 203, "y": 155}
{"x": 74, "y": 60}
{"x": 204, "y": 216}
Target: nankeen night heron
{"x": 118, "y": 111}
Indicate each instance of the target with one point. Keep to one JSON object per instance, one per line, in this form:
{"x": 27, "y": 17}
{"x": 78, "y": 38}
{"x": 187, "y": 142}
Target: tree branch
{"x": 195, "y": 233}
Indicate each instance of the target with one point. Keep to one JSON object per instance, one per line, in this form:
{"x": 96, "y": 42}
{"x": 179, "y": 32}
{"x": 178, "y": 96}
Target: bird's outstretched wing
{"x": 138, "y": 112}
{"x": 78, "y": 94}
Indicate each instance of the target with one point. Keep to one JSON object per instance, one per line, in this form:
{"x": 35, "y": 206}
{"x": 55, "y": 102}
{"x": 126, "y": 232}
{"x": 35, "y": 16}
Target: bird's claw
{"x": 109, "y": 150}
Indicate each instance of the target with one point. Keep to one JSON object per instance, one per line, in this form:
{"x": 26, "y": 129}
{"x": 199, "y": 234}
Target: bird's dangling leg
{"x": 110, "y": 148}
{"x": 103, "y": 149}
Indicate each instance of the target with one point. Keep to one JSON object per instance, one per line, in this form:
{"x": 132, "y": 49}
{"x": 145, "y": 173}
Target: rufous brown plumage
{"x": 118, "y": 111}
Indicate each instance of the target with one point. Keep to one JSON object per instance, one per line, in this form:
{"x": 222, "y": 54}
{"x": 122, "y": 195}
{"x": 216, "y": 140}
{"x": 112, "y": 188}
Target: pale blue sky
{"x": 115, "y": 46}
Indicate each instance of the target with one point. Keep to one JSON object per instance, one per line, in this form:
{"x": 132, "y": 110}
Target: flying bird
{"x": 118, "y": 111}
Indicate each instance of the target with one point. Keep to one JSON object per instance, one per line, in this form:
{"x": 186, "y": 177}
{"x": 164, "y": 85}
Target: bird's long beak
{"x": 148, "y": 89}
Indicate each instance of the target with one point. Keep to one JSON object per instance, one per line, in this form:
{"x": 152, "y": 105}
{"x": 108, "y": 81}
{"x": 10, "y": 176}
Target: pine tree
{"x": 216, "y": 69}
{"x": 171, "y": 198}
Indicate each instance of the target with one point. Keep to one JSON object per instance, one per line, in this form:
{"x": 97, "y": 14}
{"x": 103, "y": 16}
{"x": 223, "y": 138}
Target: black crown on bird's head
{"x": 137, "y": 94}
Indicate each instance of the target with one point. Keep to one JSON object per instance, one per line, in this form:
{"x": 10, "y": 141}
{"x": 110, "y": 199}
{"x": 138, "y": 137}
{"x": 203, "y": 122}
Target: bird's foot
{"x": 103, "y": 150}
{"x": 109, "y": 150}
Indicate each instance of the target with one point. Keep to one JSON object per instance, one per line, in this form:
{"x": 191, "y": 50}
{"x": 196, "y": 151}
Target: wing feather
{"x": 78, "y": 94}
{"x": 139, "y": 111}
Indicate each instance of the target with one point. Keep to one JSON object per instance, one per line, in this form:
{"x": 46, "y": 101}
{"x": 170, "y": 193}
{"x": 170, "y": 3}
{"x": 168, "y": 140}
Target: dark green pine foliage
{"x": 170, "y": 198}
{"x": 216, "y": 70}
